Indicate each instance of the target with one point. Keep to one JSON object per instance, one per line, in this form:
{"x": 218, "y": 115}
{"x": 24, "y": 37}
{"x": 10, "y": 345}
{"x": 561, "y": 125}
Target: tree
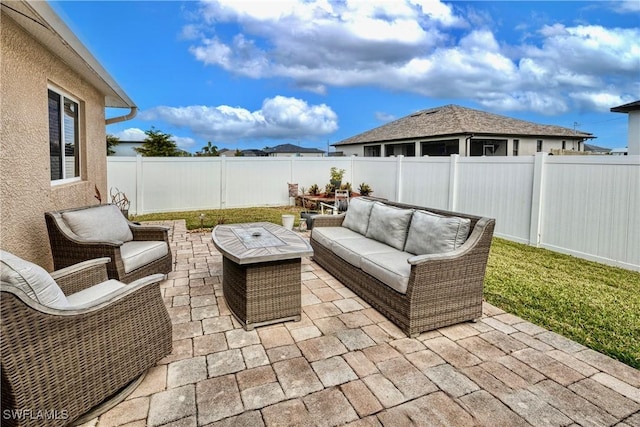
{"x": 210, "y": 150}
{"x": 238, "y": 153}
{"x": 112, "y": 141}
{"x": 158, "y": 144}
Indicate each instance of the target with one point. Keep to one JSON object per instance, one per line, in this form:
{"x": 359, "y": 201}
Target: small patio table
{"x": 261, "y": 269}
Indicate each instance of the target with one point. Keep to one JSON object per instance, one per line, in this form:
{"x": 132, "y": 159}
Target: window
{"x": 407, "y": 150}
{"x": 440, "y": 148}
{"x": 516, "y": 146}
{"x": 564, "y": 145}
{"x": 63, "y": 137}
{"x": 539, "y": 146}
{"x": 372, "y": 151}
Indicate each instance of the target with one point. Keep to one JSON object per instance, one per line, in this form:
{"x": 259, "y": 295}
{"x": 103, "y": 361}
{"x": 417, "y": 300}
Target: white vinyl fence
{"x": 585, "y": 206}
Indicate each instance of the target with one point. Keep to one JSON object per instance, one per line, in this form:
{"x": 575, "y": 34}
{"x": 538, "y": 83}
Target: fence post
{"x": 537, "y": 198}
{"x": 139, "y": 186}
{"x": 453, "y": 182}
{"x": 399, "y": 178}
{"x": 223, "y": 182}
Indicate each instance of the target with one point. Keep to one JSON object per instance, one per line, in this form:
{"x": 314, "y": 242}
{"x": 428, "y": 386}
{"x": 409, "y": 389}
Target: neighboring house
{"x": 290, "y": 150}
{"x": 633, "y": 137}
{"x": 126, "y": 148}
{"x": 594, "y": 149}
{"x": 452, "y": 129}
{"x": 53, "y": 95}
{"x": 244, "y": 153}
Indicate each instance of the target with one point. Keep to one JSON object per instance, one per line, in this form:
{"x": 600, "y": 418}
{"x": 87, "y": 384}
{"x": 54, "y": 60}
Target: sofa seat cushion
{"x": 31, "y": 279}
{"x": 389, "y": 225}
{"x": 136, "y": 254}
{"x": 430, "y": 233}
{"x": 87, "y": 296}
{"x": 100, "y": 223}
{"x": 391, "y": 268}
{"x": 352, "y": 250}
{"x": 327, "y": 235}
{"x": 358, "y": 214}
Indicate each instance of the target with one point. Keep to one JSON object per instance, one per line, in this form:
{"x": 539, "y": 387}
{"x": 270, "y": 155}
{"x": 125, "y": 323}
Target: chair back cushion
{"x": 357, "y": 216}
{"x": 430, "y": 233}
{"x": 99, "y": 223}
{"x": 32, "y": 280}
{"x": 389, "y": 224}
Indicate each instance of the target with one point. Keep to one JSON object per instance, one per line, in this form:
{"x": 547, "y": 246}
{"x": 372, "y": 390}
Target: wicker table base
{"x": 263, "y": 293}
{"x": 261, "y": 271}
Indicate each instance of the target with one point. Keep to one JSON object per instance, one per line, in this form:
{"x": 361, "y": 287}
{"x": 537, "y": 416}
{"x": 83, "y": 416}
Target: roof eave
{"x": 64, "y": 44}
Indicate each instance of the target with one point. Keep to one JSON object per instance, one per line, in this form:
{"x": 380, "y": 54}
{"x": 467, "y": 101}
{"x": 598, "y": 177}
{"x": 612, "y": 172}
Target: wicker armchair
{"x": 89, "y": 232}
{"x": 74, "y": 342}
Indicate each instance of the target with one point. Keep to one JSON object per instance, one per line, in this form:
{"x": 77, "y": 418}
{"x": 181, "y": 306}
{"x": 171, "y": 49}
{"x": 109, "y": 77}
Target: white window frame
{"x": 64, "y": 94}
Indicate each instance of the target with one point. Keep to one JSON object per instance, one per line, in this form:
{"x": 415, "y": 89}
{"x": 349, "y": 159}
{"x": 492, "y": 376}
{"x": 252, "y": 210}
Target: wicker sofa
{"x": 421, "y": 268}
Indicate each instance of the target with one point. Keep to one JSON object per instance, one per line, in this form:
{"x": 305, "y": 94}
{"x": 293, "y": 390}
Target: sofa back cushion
{"x": 388, "y": 224}
{"x": 357, "y": 217}
{"x": 32, "y": 279}
{"x": 430, "y": 233}
{"x": 99, "y": 223}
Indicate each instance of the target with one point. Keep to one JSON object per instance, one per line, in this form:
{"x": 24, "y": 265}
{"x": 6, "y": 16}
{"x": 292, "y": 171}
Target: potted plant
{"x": 364, "y": 189}
{"x": 336, "y": 177}
{"x": 307, "y": 214}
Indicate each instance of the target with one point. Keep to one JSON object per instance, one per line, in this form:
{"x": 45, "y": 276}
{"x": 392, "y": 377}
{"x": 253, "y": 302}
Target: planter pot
{"x": 287, "y": 221}
{"x": 336, "y": 184}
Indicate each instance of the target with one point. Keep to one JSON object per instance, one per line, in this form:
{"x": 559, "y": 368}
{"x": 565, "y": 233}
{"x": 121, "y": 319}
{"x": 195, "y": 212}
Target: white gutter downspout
{"x": 131, "y": 115}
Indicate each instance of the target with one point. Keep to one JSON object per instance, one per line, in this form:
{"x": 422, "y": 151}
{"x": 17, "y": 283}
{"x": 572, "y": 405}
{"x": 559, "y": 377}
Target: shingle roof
{"x": 290, "y": 148}
{"x": 456, "y": 120}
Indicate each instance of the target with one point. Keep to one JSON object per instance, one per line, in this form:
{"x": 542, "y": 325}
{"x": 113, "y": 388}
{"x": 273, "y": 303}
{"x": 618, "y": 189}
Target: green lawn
{"x": 590, "y": 303}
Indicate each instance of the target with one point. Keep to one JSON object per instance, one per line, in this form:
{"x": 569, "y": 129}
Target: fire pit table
{"x": 261, "y": 271}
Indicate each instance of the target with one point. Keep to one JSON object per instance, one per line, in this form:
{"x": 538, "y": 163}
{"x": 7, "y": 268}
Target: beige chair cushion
{"x": 136, "y": 254}
{"x": 88, "y": 295}
{"x": 100, "y": 223}
{"x": 389, "y": 225}
{"x": 352, "y": 250}
{"x": 391, "y": 268}
{"x": 357, "y": 216}
{"x": 430, "y": 233}
{"x": 326, "y": 235}
{"x": 32, "y": 280}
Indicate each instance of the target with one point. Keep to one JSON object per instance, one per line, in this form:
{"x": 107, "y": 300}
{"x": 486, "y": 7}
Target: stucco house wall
{"x": 26, "y": 190}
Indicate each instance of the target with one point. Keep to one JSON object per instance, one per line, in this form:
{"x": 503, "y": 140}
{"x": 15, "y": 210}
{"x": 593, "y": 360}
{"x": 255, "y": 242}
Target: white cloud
{"x": 131, "y": 134}
{"x": 279, "y": 118}
{"x": 384, "y": 117}
{"x": 421, "y": 46}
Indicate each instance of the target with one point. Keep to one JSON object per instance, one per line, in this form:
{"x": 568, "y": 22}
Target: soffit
{"x": 43, "y": 24}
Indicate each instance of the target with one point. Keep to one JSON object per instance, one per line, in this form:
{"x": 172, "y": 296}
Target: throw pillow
{"x": 430, "y": 233}
{"x": 32, "y": 280}
{"x": 357, "y": 217}
{"x": 389, "y": 224}
{"x": 100, "y": 223}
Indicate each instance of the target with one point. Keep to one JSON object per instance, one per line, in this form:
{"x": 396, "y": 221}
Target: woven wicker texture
{"x": 71, "y": 362}
{"x": 66, "y": 250}
{"x": 262, "y": 293}
{"x": 441, "y": 292}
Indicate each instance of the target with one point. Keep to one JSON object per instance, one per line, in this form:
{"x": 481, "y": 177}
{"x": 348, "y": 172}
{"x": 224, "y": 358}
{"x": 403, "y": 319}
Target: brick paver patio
{"x": 345, "y": 364}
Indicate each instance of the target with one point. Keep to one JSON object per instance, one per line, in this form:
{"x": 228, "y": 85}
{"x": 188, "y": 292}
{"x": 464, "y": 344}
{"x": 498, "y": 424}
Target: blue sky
{"x": 256, "y": 73}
